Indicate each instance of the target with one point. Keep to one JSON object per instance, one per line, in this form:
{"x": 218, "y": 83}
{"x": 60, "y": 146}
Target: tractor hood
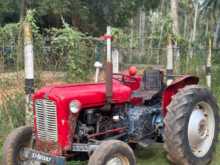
{"x": 89, "y": 94}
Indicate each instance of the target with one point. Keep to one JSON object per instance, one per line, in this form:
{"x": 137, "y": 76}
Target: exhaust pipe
{"x": 108, "y": 70}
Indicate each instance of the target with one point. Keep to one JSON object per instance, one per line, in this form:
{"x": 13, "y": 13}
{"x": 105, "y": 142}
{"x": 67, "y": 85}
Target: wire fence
{"x": 56, "y": 64}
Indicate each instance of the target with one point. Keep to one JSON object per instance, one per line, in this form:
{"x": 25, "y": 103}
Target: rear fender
{"x": 173, "y": 88}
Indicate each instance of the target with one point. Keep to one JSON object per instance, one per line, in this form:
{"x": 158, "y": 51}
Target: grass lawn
{"x": 153, "y": 155}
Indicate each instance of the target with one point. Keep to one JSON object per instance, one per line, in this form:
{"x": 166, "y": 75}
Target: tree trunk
{"x": 195, "y": 22}
{"x": 142, "y": 30}
{"x": 20, "y": 36}
{"x": 174, "y": 15}
{"x": 176, "y": 32}
{"x": 131, "y": 40}
{"x": 215, "y": 42}
{"x": 23, "y": 10}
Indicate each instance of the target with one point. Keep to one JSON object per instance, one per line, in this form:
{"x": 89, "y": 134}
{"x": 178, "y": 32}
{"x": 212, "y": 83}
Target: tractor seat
{"x": 152, "y": 84}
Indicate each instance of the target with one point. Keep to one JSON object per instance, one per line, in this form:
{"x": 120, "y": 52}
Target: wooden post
{"x": 29, "y": 70}
{"x": 169, "y": 61}
{"x": 208, "y": 65}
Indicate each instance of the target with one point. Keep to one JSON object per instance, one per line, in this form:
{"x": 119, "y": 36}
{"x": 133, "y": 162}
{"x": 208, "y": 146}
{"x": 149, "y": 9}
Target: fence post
{"x": 209, "y": 65}
{"x": 98, "y": 65}
{"x": 115, "y": 60}
{"x": 169, "y": 61}
{"x": 29, "y": 70}
{"x": 109, "y": 65}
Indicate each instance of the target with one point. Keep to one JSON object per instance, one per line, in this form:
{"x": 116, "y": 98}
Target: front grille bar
{"x": 46, "y": 120}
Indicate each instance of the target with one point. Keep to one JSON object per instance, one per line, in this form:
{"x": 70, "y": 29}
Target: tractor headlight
{"x": 75, "y": 106}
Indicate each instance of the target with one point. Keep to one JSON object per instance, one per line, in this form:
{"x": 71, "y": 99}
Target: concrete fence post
{"x": 29, "y": 70}
{"x": 169, "y": 67}
{"x": 209, "y": 65}
{"x": 115, "y": 60}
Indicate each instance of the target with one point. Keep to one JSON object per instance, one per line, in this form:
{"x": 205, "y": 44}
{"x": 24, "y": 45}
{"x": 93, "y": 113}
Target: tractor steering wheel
{"x": 126, "y": 79}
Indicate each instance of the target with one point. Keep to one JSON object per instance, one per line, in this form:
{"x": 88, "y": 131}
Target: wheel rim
{"x": 118, "y": 160}
{"x": 201, "y": 129}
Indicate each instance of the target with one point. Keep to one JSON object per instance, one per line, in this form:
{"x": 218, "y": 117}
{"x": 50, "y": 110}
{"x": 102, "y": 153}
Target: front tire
{"x": 113, "y": 152}
{"x": 191, "y": 126}
{"x": 15, "y": 142}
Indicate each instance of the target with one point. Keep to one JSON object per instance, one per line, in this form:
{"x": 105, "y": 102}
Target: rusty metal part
{"x": 116, "y": 130}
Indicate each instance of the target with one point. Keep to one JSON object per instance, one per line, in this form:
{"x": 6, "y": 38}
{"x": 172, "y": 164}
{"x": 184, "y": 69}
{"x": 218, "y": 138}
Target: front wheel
{"x": 191, "y": 126}
{"x": 113, "y": 152}
{"x": 15, "y": 142}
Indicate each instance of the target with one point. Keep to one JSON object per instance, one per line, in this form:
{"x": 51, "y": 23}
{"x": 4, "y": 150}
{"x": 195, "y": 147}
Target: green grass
{"x": 154, "y": 155}
{"x": 0, "y": 152}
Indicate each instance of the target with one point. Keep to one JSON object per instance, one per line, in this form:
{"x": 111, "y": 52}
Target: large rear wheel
{"x": 191, "y": 126}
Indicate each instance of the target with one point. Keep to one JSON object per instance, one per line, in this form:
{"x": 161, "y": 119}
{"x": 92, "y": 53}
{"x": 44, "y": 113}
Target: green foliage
{"x": 70, "y": 46}
{"x": 8, "y": 39}
{"x": 12, "y": 112}
{"x": 30, "y": 17}
{"x": 88, "y": 16}
{"x": 121, "y": 38}
{"x": 9, "y": 11}
{"x": 9, "y": 33}
{"x": 38, "y": 39}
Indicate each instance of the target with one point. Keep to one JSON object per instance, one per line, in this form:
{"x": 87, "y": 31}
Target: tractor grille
{"x": 46, "y": 120}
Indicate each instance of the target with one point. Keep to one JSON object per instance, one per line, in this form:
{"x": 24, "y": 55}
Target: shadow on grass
{"x": 153, "y": 155}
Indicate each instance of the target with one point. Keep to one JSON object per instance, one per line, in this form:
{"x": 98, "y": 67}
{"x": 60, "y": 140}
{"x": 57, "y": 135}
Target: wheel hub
{"x": 201, "y": 129}
{"x": 118, "y": 160}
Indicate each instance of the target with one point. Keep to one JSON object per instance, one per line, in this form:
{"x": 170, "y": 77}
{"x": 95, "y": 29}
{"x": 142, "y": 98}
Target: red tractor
{"x": 103, "y": 121}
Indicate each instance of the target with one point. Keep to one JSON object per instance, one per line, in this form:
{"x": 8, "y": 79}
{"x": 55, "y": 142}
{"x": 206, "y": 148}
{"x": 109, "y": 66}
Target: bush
{"x": 71, "y": 48}
{"x": 12, "y": 112}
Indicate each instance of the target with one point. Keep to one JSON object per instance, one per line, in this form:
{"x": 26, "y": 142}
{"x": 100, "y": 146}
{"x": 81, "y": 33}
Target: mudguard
{"x": 173, "y": 88}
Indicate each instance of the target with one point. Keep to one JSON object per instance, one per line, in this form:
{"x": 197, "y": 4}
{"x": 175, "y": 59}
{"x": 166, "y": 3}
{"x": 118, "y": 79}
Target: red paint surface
{"x": 89, "y": 95}
{"x": 132, "y": 71}
{"x": 93, "y": 95}
{"x": 172, "y": 89}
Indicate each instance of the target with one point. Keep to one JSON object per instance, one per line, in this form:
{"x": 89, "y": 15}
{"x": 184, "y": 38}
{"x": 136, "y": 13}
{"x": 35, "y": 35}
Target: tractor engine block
{"x": 145, "y": 122}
